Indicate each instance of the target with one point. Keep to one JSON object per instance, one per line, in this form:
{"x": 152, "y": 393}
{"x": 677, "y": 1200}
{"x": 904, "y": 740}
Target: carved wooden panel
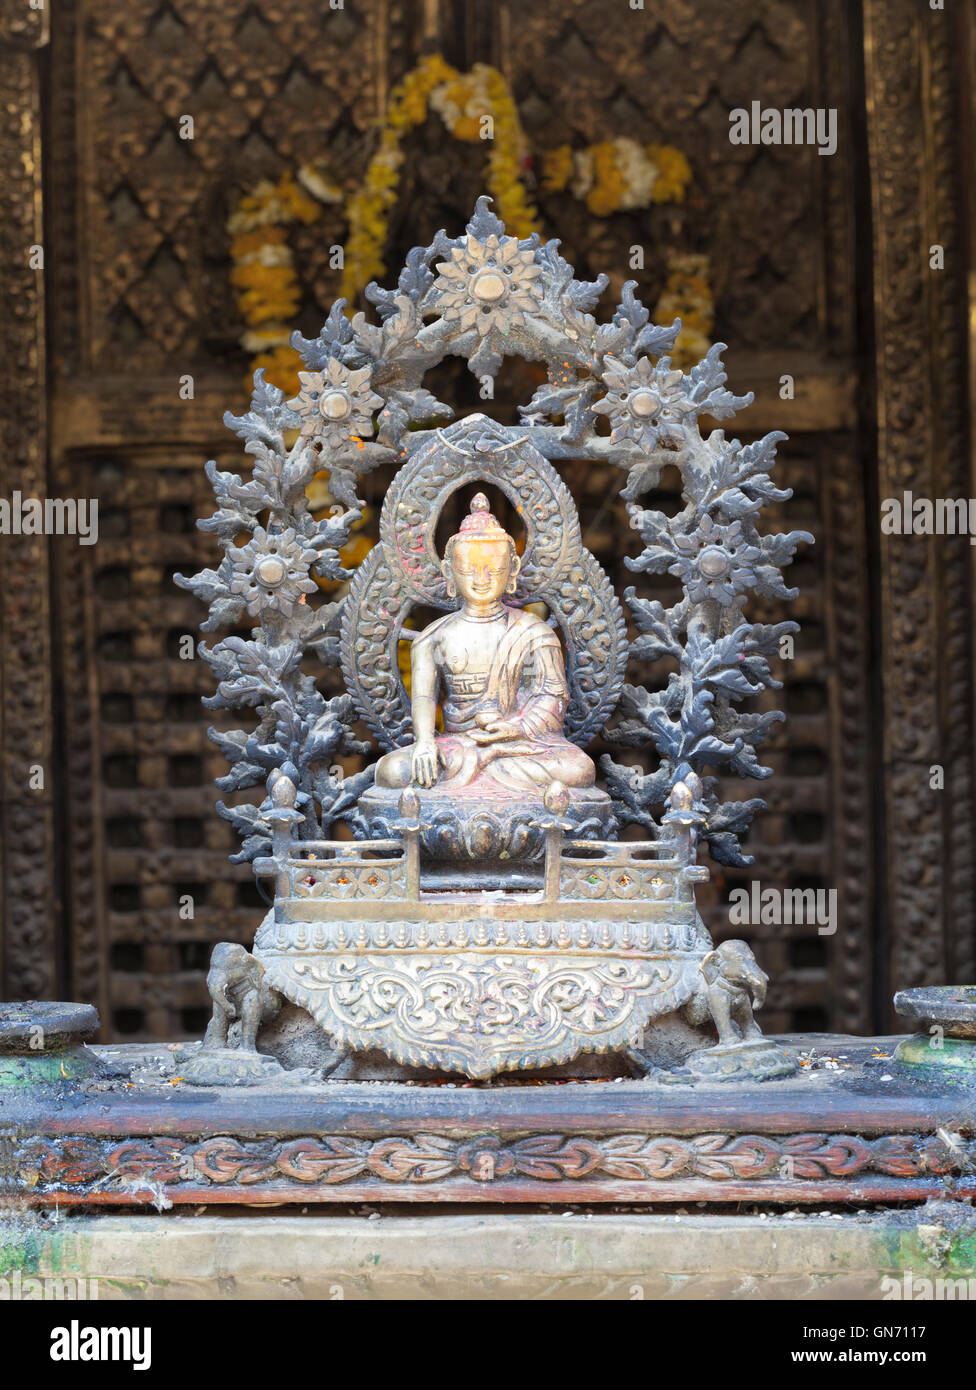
{"x": 267, "y": 84}
{"x": 823, "y": 1140}
{"x": 29, "y": 953}
{"x": 671, "y": 73}
{"x": 151, "y": 887}
{"x": 138, "y": 290}
{"x": 916, "y": 127}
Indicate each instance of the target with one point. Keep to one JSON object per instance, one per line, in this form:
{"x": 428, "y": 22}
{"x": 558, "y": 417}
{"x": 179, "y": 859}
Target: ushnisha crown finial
{"x": 481, "y": 523}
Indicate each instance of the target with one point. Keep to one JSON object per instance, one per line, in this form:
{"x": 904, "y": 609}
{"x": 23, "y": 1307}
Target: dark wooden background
{"x": 821, "y": 271}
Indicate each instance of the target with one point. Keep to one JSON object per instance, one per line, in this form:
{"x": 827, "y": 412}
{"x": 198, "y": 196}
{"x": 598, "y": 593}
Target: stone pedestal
{"x": 917, "y": 1254}
{"x": 43, "y": 1043}
{"x": 944, "y": 1048}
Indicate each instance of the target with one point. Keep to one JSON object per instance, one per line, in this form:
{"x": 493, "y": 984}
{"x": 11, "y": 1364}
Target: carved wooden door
{"x": 116, "y": 879}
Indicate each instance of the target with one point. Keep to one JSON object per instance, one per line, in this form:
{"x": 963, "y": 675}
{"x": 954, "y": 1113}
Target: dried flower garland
{"x": 618, "y": 175}
{"x": 462, "y": 100}
{"x": 264, "y": 273}
{"x": 687, "y": 295}
{"x": 615, "y": 175}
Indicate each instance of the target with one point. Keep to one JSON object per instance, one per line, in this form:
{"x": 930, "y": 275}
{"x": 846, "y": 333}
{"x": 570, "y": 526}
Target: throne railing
{"x": 641, "y": 892}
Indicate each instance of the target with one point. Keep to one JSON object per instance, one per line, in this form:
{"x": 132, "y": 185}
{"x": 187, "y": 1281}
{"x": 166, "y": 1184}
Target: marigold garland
{"x": 264, "y": 273}
{"x": 687, "y": 295}
{"x": 462, "y": 100}
{"x": 613, "y": 175}
{"x": 618, "y": 174}
{"x": 673, "y": 173}
{"x": 264, "y": 268}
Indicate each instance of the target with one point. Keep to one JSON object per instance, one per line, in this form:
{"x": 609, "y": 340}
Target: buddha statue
{"x": 500, "y": 673}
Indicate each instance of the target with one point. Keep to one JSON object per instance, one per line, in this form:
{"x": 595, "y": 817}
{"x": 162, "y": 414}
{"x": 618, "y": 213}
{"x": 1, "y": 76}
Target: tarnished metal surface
{"x": 495, "y": 671}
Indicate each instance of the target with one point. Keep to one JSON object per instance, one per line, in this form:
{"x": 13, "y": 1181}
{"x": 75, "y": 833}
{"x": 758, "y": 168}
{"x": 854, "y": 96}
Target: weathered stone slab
{"x": 512, "y": 1256}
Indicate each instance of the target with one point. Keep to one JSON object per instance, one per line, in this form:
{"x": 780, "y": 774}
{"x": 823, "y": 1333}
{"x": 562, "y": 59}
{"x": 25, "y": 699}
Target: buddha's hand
{"x": 496, "y": 731}
{"x": 423, "y": 764}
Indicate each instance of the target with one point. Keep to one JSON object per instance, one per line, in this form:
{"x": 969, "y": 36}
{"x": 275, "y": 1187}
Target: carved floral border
{"x": 41, "y": 1164}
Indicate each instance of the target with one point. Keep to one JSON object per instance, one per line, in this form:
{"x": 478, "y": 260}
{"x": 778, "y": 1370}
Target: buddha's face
{"x": 481, "y": 570}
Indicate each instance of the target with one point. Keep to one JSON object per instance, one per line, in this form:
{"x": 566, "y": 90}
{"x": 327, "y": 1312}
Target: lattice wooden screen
{"x": 137, "y": 294}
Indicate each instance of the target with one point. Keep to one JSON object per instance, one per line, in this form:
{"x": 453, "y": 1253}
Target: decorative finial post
{"x": 556, "y": 802}
{"x": 410, "y": 830}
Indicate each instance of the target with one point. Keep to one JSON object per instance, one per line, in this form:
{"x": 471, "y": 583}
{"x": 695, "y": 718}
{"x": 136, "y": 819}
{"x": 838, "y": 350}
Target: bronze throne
{"x": 486, "y": 913}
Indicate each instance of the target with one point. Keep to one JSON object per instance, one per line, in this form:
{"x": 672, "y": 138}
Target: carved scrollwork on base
{"x": 482, "y": 1014}
{"x": 139, "y": 1166}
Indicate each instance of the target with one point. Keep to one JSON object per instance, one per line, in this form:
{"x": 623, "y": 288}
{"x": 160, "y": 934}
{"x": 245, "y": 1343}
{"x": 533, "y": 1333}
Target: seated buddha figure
{"x": 500, "y": 673}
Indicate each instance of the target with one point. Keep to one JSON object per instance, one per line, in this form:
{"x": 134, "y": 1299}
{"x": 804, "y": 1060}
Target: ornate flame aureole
{"x": 485, "y": 916}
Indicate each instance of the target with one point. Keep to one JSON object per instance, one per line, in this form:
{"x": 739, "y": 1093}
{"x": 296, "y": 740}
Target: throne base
{"x": 479, "y": 1012}
{"x": 608, "y": 942}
